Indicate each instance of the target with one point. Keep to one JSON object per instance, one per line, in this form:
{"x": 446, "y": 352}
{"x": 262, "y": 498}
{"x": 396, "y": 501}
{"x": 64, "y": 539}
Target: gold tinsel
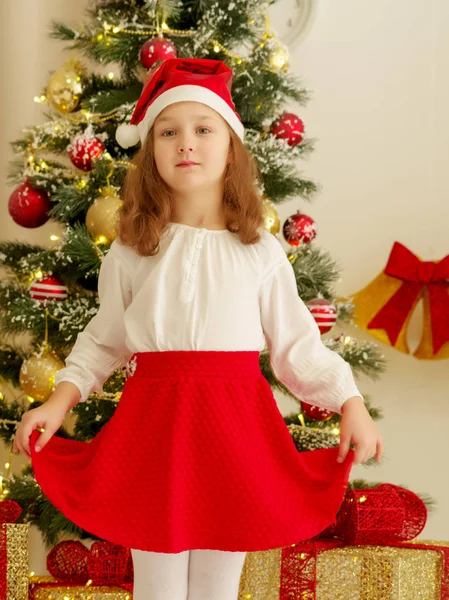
{"x": 75, "y": 592}
{"x": 352, "y": 573}
{"x": 16, "y": 559}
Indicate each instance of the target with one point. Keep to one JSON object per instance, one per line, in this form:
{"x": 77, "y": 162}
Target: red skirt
{"x": 196, "y": 456}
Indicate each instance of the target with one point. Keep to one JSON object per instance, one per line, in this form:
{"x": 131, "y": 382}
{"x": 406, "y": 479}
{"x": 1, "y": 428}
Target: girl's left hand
{"x": 358, "y": 427}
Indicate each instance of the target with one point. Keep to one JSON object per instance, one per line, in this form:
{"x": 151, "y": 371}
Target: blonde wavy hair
{"x": 147, "y": 200}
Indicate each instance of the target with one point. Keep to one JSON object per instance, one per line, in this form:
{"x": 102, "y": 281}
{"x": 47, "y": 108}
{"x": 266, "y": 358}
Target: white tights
{"x": 189, "y": 575}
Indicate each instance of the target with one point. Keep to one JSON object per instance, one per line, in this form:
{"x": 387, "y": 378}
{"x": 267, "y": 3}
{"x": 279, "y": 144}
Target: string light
{"x": 278, "y": 60}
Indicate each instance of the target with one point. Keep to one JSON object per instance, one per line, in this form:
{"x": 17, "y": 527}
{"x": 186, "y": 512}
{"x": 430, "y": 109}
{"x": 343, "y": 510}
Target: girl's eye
{"x": 171, "y": 131}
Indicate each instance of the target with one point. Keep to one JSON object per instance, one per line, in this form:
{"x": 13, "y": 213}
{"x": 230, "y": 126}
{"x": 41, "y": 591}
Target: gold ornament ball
{"x": 37, "y": 375}
{"x": 271, "y": 220}
{"x": 65, "y": 87}
{"x": 279, "y": 56}
{"x": 102, "y": 217}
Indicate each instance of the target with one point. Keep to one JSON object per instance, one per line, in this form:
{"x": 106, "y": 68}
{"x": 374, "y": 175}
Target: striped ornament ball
{"x": 324, "y": 313}
{"x": 50, "y": 287}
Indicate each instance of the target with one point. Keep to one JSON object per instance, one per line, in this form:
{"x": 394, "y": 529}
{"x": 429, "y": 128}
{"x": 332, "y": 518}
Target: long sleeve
{"x": 299, "y": 359}
{"x": 100, "y": 348}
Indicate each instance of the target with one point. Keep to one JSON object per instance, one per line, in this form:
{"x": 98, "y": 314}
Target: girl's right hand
{"x": 48, "y": 417}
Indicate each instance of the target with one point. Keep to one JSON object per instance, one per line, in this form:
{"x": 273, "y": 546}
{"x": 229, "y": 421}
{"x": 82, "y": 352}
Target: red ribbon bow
{"x": 415, "y": 274}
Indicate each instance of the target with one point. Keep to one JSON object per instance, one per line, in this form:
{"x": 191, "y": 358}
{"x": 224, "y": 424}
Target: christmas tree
{"x": 71, "y": 169}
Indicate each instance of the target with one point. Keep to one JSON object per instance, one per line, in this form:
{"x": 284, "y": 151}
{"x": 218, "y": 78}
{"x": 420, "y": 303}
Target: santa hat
{"x": 177, "y": 80}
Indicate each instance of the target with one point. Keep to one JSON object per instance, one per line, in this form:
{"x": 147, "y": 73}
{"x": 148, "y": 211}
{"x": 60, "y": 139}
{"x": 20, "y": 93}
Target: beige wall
{"x": 379, "y": 110}
{"x": 378, "y": 73}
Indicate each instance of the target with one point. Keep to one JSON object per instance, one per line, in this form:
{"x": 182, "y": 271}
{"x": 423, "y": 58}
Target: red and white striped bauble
{"x": 50, "y": 287}
{"x": 324, "y": 313}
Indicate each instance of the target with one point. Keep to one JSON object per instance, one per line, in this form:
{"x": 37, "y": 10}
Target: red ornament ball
{"x": 29, "y": 207}
{"x": 288, "y": 127}
{"x": 156, "y": 50}
{"x": 50, "y": 287}
{"x": 324, "y": 313}
{"x": 84, "y": 149}
{"x": 67, "y": 561}
{"x": 299, "y": 229}
{"x": 9, "y": 511}
{"x": 316, "y": 413}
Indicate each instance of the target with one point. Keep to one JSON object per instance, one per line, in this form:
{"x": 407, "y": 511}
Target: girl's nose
{"x": 182, "y": 149}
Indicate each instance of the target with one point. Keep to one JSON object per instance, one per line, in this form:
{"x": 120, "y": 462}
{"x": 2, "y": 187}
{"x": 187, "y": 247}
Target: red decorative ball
{"x": 324, "y": 313}
{"x": 29, "y": 207}
{"x": 9, "y": 511}
{"x": 84, "y": 149}
{"x": 67, "y": 561}
{"x": 288, "y": 127}
{"x": 50, "y": 287}
{"x": 316, "y": 413}
{"x": 298, "y": 229}
{"x": 156, "y": 50}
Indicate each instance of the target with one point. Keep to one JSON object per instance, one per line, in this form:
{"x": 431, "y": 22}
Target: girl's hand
{"x": 358, "y": 427}
{"x": 48, "y": 417}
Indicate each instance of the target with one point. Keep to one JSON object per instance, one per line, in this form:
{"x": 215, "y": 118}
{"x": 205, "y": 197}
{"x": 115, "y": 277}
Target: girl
{"x": 196, "y": 467}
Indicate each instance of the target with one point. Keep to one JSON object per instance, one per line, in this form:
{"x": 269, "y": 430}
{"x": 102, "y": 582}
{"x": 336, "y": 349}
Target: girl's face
{"x": 193, "y": 132}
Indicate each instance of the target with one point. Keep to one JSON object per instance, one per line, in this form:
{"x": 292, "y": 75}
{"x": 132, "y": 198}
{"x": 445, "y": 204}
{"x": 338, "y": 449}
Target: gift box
{"x": 331, "y": 570}
{"x": 14, "y": 561}
{"x": 48, "y": 588}
{"x": 368, "y": 554}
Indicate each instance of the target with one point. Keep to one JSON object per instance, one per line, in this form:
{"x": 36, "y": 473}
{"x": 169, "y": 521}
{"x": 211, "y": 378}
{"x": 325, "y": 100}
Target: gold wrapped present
{"x": 407, "y": 571}
{"x": 14, "y": 561}
{"x": 44, "y": 587}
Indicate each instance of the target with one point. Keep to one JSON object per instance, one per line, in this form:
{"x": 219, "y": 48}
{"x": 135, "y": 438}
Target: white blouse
{"x": 205, "y": 290}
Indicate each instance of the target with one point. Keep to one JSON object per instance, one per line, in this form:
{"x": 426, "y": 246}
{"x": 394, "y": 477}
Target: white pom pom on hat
{"x": 127, "y": 135}
{"x": 176, "y": 80}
